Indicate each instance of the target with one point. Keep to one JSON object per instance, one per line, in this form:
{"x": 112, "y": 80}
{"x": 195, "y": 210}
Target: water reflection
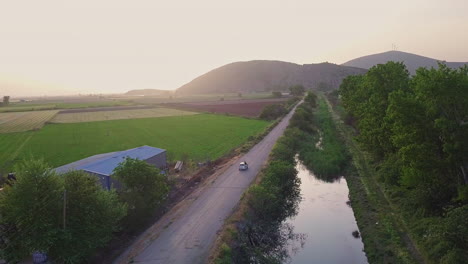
{"x": 325, "y": 178}
{"x": 315, "y": 225}
{"x": 264, "y": 236}
{"x": 327, "y": 220}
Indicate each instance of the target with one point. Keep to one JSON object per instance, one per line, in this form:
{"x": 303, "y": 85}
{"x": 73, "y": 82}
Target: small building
{"x": 102, "y": 165}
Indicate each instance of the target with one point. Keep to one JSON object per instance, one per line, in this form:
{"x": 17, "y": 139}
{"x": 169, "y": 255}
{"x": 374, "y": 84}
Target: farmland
{"x": 45, "y": 105}
{"x": 85, "y": 115}
{"x": 201, "y": 137}
{"x": 24, "y": 121}
{"x": 248, "y": 108}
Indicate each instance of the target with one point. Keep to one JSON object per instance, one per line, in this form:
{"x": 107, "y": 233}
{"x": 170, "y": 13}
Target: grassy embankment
{"x": 199, "y": 137}
{"x": 384, "y": 235}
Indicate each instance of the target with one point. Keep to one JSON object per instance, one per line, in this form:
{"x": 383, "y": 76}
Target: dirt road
{"x": 186, "y": 233}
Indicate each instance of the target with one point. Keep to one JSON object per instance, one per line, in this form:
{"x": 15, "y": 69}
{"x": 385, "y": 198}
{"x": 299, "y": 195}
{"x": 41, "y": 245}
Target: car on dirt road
{"x": 243, "y": 166}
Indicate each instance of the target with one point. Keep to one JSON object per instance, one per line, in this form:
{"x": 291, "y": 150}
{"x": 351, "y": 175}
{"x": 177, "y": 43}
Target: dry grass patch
{"x": 24, "y": 121}
{"x": 119, "y": 114}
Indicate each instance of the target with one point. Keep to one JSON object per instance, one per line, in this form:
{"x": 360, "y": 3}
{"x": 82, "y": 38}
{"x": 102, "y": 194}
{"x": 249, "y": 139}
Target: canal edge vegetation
{"x": 408, "y": 138}
{"x": 384, "y": 239}
{"x": 256, "y": 229}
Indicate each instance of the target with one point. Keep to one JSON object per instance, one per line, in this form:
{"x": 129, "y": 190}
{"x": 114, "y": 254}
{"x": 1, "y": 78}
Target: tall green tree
{"x": 444, "y": 93}
{"x": 33, "y": 219}
{"x": 367, "y": 99}
{"x": 144, "y": 188}
{"x": 31, "y": 209}
{"x": 92, "y": 216}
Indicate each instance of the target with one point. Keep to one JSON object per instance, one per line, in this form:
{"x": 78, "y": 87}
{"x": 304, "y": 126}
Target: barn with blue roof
{"x": 102, "y": 165}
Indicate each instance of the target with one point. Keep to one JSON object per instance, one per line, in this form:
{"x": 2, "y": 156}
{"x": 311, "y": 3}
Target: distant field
{"x": 200, "y": 136}
{"x": 158, "y": 99}
{"x": 93, "y": 116}
{"x": 249, "y": 108}
{"x": 35, "y": 106}
{"x": 24, "y": 121}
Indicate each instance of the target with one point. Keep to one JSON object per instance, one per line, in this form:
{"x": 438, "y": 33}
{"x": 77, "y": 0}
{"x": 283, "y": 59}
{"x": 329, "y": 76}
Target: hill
{"x": 262, "y": 75}
{"x": 412, "y": 61}
{"x": 147, "y": 92}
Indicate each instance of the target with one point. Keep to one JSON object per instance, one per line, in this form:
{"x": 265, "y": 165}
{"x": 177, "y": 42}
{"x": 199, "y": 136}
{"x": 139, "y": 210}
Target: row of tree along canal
{"x": 285, "y": 220}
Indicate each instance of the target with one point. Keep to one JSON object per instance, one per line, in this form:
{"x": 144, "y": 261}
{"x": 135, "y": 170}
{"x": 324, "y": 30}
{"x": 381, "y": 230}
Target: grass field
{"x": 202, "y": 136}
{"x": 119, "y": 114}
{"x": 24, "y": 121}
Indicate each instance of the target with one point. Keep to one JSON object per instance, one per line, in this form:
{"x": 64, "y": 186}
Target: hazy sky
{"x": 114, "y": 46}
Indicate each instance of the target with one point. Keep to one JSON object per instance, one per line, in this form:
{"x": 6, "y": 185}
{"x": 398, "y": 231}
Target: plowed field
{"x": 249, "y": 108}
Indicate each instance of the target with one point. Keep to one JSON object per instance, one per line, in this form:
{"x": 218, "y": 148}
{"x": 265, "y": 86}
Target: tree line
{"x": 415, "y": 129}
{"x": 68, "y": 216}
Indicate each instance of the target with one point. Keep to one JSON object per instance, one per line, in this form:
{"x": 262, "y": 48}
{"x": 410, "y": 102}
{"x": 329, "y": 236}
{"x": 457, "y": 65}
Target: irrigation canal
{"x": 327, "y": 222}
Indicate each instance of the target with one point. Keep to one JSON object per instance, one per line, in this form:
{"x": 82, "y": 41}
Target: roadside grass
{"x": 384, "y": 236}
{"x": 117, "y": 114}
{"x": 200, "y": 137}
{"x": 24, "y": 121}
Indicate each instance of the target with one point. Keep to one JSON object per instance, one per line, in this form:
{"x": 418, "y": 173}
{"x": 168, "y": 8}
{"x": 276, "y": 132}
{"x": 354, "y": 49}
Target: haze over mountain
{"x": 263, "y": 75}
{"x": 412, "y": 61}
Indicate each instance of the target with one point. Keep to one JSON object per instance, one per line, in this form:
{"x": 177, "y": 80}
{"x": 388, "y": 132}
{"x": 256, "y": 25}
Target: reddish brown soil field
{"x": 249, "y": 108}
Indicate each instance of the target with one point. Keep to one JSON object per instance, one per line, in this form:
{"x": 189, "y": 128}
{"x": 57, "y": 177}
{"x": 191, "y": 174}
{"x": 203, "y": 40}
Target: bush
{"x": 272, "y": 112}
{"x": 276, "y": 94}
{"x": 297, "y": 90}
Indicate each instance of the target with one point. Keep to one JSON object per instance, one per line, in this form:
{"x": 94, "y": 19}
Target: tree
{"x": 276, "y": 94}
{"x": 144, "y": 188}
{"x": 311, "y": 99}
{"x": 271, "y": 112}
{"x": 6, "y": 100}
{"x": 366, "y": 98}
{"x": 92, "y": 216}
{"x": 297, "y": 90}
{"x": 32, "y": 210}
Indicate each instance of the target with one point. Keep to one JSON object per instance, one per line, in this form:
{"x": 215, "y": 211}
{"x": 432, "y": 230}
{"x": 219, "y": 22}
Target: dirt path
{"x": 187, "y": 232}
{"x": 391, "y": 210}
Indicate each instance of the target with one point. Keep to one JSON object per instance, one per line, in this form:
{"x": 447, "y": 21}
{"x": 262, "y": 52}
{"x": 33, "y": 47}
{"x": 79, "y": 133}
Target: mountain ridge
{"x": 412, "y": 61}
{"x": 268, "y": 75}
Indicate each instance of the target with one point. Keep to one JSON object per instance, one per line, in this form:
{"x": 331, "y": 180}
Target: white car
{"x": 243, "y": 166}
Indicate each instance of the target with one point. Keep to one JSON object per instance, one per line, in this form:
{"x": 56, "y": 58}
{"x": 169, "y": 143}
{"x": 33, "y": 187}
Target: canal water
{"x": 327, "y": 222}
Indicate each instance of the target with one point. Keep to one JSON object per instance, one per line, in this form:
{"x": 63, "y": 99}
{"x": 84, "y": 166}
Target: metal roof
{"x": 105, "y": 164}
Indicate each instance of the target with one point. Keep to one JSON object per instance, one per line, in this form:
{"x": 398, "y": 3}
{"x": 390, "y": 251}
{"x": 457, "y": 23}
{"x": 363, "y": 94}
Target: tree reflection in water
{"x": 266, "y": 238}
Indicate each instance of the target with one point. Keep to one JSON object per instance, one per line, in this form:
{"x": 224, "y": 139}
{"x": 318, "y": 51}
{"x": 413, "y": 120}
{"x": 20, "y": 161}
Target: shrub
{"x": 272, "y": 112}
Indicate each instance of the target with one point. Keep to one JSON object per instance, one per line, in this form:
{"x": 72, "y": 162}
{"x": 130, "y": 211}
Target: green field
{"x": 117, "y": 114}
{"x": 24, "y": 121}
{"x": 198, "y": 136}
